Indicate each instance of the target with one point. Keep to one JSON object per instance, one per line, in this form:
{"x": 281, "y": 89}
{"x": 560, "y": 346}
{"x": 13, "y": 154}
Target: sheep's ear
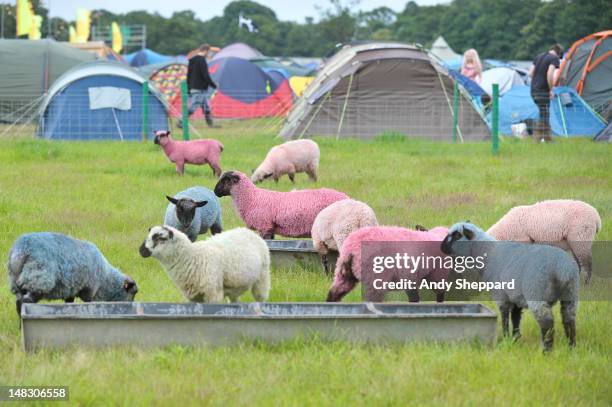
{"x": 469, "y": 234}
{"x": 171, "y": 199}
{"x": 268, "y": 175}
{"x": 170, "y": 234}
{"x": 200, "y": 204}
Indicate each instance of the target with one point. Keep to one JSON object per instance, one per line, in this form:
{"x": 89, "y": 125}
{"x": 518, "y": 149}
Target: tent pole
{"x": 315, "y": 114}
{"x": 562, "y": 116}
{"x": 348, "y": 93}
{"x": 449, "y": 104}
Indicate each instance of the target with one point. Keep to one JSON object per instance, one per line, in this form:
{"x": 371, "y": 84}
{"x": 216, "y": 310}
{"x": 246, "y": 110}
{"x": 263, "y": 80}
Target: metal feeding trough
{"x": 287, "y": 253}
{"x": 162, "y": 324}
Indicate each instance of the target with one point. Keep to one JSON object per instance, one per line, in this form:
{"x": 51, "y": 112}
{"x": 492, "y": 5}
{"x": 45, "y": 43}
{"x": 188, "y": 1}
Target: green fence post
{"x": 455, "y": 110}
{"x": 145, "y": 110}
{"x": 185, "y": 110}
{"x": 495, "y": 119}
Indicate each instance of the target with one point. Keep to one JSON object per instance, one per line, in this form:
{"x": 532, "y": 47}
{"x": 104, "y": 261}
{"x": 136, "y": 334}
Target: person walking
{"x": 542, "y": 74}
{"x": 198, "y": 83}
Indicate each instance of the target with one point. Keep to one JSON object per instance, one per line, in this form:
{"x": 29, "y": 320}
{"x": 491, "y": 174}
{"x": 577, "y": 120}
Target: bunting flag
{"x": 35, "y": 24}
{"x": 24, "y": 17}
{"x": 72, "y": 34}
{"x": 83, "y": 23}
{"x": 117, "y": 37}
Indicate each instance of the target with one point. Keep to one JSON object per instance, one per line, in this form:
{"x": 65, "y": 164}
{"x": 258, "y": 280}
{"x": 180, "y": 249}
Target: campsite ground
{"x": 110, "y": 193}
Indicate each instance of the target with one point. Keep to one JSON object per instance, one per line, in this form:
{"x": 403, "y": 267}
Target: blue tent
{"x": 99, "y": 100}
{"x": 569, "y": 114}
{"x": 146, "y": 57}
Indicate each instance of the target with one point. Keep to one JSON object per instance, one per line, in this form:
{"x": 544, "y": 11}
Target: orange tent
{"x": 587, "y": 67}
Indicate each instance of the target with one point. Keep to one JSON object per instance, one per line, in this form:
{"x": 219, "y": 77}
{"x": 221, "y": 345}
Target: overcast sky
{"x": 295, "y": 10}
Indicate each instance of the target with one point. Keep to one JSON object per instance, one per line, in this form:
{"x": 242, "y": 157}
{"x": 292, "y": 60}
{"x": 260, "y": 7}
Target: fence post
{"x": 145, "y": 110}
{"x": 495, "y": 120}
{"x": 185, "y": 110}
{"x": 455, "y": 110}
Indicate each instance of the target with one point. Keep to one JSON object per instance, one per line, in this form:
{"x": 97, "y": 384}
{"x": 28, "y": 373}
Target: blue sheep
{"x": 194, "y": 211}
{"x": 58, "y": 267}
{"x": 542, "y": 276}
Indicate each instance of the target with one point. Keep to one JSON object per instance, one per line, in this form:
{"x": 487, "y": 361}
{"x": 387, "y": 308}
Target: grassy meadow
{"x": 110, "y": 193}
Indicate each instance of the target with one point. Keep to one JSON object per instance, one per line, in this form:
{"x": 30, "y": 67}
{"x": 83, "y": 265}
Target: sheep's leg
{"x": 291, "y": 176}
{"x": 413, "y": 295}
{"x": 215, "y": 228}
{"x": 312, "y": 173}
{"x": 542, "y": 312}
{"x": 261, "y": 289}
{"x": 180, "y": 167}
{"x": 516, "y": 315}
{"x": 215, "y": 167}
{"x": 69, "y": 300}
{"x": 18, "y": 303}
{"x": 504, "y": 310}
{"x": 581, "y": 246}
{"x": 325, "y": 263}
{"x": 568, "y": 316}
{"x": 440, "y": 295}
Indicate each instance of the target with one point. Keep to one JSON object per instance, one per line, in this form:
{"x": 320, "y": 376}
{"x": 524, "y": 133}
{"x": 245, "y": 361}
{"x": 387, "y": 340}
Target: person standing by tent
{"x": 471, "y": 66}
{"x": 542, "y": 74}
{"x": 198, "y": 83}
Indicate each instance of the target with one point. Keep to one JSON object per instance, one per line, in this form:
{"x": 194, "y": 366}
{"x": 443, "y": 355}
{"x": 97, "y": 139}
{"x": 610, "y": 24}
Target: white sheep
{"x": 565, "y": 223}
{"x": 289, "y": 158}
{"x": 225, "y": 265}
{"x": 334, "y": 223}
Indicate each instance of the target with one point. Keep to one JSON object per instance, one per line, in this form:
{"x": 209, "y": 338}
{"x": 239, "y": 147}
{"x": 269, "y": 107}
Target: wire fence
{"x": 79, "y": 115}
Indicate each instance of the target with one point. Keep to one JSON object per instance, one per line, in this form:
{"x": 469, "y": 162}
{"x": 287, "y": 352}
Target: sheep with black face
{"x": 542, "y": 276}
{"x": 194, "y": 211}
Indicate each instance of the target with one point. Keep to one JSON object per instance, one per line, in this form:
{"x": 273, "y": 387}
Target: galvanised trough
{"x": 162, "y": 324}
{"x": 287, "y": 253}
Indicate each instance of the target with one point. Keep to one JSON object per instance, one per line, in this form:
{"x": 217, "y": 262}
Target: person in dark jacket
{"x": 198, "y": 83}
{"x": 542, "y": 73}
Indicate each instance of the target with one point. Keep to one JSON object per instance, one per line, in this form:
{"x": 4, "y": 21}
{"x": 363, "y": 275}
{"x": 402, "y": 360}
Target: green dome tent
{"x": 28, "y": 69}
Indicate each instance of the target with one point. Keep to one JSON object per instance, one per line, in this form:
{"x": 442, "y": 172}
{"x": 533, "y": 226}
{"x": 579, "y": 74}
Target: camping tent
{"x": 271, "y": 64}
{"x": 587, "y": 67}
{"x": 569, "y": 114}
{"x": 506, "y": 78}
{"x": 443, "y": 51}
{"x": 100, "y": 100}
{"x": 245, "y": 91}
{"x": 28, "y": 69}
{"x": 146, "y": 56}
{"x": 99, "y": 48}
{"x": 368, "y": 89}
{"x": 238, "y": 50}
{"x": 167, "y": 78}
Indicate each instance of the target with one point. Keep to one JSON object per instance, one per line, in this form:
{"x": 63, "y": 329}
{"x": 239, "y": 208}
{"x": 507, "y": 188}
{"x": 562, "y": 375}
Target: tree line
{"x": 501, "y": 29}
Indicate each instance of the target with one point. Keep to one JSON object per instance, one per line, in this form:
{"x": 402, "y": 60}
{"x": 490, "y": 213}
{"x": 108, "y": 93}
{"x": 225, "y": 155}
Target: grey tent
{"x": 442, "y": 50}
{"x": 605, "y": 135}
{"x": 28, "y": 68}
{"x": 369, "y": 89}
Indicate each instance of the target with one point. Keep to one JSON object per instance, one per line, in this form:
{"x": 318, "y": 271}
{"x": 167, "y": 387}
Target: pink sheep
{"x": 568, "y": 224}
{"x": 289, "y": 158}
{"x": 289, "y": 214}
{"x": 348, "y": 267}
{"x": 197, "y": 152}
{"x": 334, "y": 223}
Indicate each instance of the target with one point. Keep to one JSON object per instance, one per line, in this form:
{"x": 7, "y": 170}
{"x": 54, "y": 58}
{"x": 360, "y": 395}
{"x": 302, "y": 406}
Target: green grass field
{"x": 111, "y": 193}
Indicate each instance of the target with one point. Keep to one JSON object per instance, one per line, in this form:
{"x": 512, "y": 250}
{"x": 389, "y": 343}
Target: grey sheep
{"x": 542, "y": 276}
{"x": 58, "y": 267}
{"x": 194, "y": 211}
